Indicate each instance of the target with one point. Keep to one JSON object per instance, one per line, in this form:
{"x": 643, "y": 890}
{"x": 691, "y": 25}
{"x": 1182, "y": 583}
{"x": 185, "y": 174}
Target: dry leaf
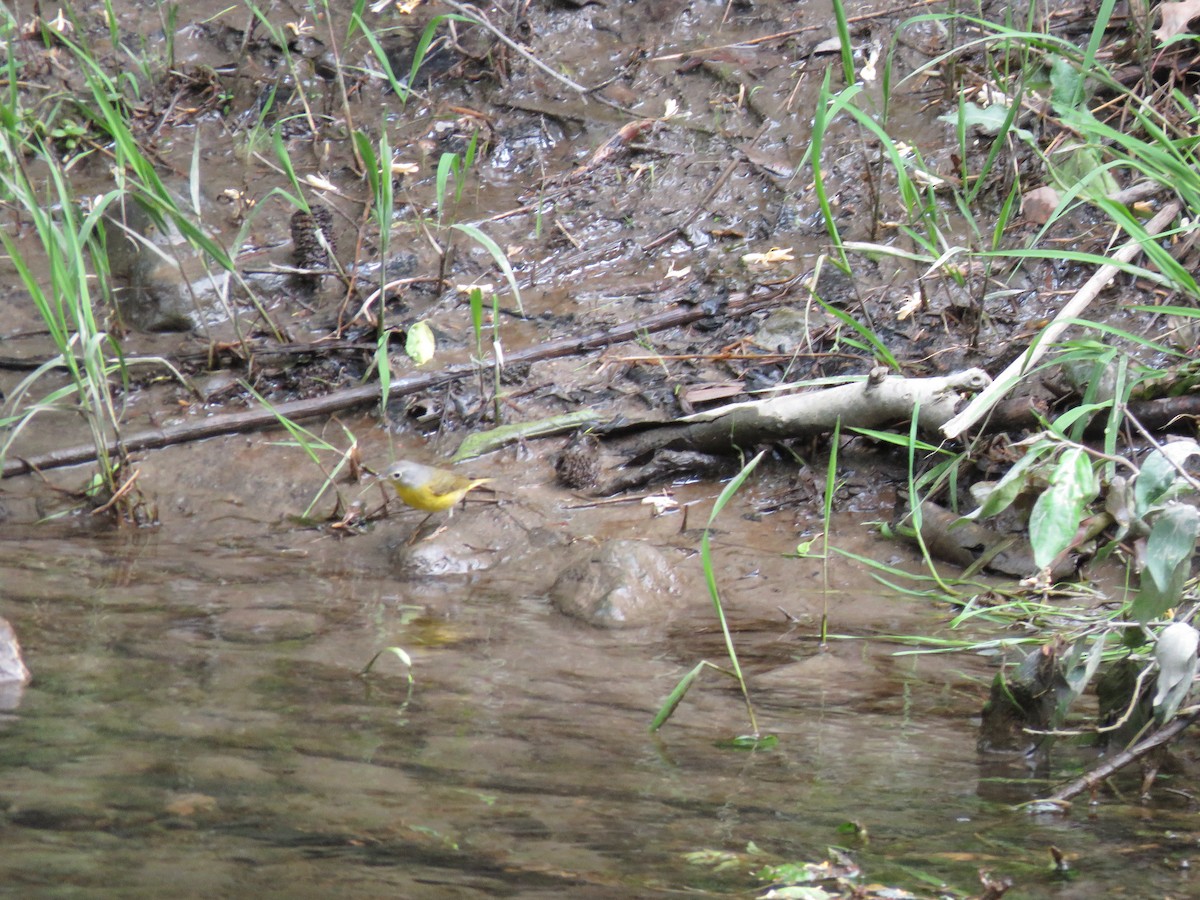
{"x": 909, "y": 307}
{"x": 926, "y": 179}
{"x": 1039, "y": 204}
{"x": 771, "y": 257}
{"x": 829, "y": 45}
{"x": 706, "y": 393}
{"x": 661, "y": 503}
{"x": 1175, "y": 19}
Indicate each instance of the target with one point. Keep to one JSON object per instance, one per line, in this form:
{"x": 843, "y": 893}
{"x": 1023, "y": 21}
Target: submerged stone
{"x": 617, "y": 584}
{"x": 266, "y": 626}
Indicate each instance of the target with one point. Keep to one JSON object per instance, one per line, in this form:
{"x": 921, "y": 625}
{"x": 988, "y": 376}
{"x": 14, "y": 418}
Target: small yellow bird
{"x": 429, "y": 488}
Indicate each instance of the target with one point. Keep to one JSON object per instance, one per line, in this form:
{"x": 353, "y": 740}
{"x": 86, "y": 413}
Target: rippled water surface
{"x": 197, "y": 724}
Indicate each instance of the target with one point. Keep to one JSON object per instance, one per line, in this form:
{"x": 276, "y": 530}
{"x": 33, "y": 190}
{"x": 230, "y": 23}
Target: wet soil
{"x": 197, "y": 718}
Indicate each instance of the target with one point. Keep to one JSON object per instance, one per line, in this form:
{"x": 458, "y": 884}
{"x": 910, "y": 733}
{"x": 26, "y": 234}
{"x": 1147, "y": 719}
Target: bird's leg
{"x": 417, "y": 531}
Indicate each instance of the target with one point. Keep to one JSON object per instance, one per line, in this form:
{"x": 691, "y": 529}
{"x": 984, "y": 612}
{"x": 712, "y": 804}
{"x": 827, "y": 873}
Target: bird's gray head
{"x": 407, "y": 473}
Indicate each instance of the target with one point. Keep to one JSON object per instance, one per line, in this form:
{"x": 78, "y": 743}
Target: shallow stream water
{"x": 197, "y": 725}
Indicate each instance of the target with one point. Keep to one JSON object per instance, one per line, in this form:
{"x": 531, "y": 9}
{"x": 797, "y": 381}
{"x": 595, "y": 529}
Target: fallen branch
{"x": 1164, "y": 735}
{"x": 1017, "y": 369}
{"x": 340, "y": 401}
{"x": 878, "y": 400}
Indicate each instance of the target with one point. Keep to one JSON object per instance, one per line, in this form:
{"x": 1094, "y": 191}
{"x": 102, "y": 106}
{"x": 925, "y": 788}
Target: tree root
{"x": 879, "y": 400}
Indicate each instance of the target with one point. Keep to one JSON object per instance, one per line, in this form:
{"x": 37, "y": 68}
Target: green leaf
{"x": 1152, "y": 601}
{"x": 676, "y": 697}
{"x": 1171, "y": 543}
{"x": 1080, "y": 165}
{"x": 1077, "y": 672}
{"x": 1066, "y": 85}
{"x": 476, "y": 300}
{"x": 1015, "y": 480}
{"x": 473, "y": 232}
{"x": 449, "y": 167}
{"x": 420, "y": 343}
{"x": 366, "y": 152}
{"x": 384, "y": 369}
{"x": 804, "y": 549}
{"x": 1159, "y": 473}
{"x": 399, "y": 652}
{"x": 481, "y": 442}
{"x": 1175, "y": 653}
{"x": 1059, "y": 510}
{"x": 990, "y": 120}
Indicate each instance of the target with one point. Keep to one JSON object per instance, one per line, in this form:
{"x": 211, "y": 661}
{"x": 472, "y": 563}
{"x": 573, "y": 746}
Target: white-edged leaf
{"x": 1159, "y": 473}
{"x": 1059, "y": 510}
{"x": 1175, "y": 653}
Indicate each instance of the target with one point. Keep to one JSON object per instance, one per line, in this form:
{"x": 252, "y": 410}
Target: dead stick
{"x": 675, "y": 230}
{"x": 792, "y": 32}
{"x": 475, "y": 15}
{"x": 1090, "y": 779}
{"x": 340, "y": 401}
{"x": 1007, "y": 380}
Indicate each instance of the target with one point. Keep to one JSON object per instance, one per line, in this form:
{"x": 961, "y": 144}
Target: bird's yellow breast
{"x": 427, "y": 498}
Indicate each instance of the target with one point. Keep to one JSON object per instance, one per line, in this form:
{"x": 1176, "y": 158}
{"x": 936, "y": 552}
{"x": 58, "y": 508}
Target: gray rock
{"x": 160, "y": 283}
{"x": 448, "y": 553}
{"x": 12, "y": 665}
{"x": 13, "y": 673}
{"x": 617, "y": 584}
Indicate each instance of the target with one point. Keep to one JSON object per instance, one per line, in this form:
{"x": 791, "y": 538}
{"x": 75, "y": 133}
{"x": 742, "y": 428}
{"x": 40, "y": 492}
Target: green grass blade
{"x": 477, "y": 235}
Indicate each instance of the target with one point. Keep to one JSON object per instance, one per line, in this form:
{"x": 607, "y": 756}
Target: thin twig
{"x": 792, "y": 32}
{"x": 475, "y": 15}
{"x": 1175, "y": 464}
{"x": 671, "y": 233}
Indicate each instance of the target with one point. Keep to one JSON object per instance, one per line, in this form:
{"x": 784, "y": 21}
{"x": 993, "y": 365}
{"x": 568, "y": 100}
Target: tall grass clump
{"x": 59, "y": 280}
{"x": 64, "y": 268}
{"x": 1029, "y": 108}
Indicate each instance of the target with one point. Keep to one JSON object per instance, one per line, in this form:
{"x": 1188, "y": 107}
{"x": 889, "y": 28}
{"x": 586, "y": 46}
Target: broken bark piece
{"x": 312, "y": 241}
{"x": 965, "y": 542}
{"x": 665, "y": 465}
{"x": 1024, "y": 700}
{"x": 876, "y": 401}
